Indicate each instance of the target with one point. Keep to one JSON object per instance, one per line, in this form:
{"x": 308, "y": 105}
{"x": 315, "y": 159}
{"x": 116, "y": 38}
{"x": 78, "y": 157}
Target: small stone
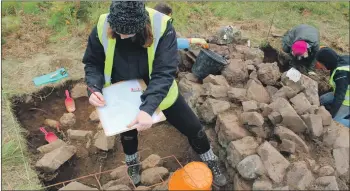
{"x": 237, "y": 94}
{"x": 326, "y": 116}
{"x": 79, "y": 90}
{"x": 314, "y": 123}
{"x": 271, "y": 90}
{"x": 94, "y": 117}
{"x": 251, "y": 68}
{"x": 236, "y": 72}
{"x": 275, "y": 164}
{"x": 51, "y": 146}
{"x": 76, "y": 186}
{"x": 229, "y": 129}
{"x": 252, "y": 118}
{"x": 216, "y": 80}
{"x": 191, "y": 91}
{"x": 80, "y": 135}
{"x": 292, "y": 120}
{"x": 287, "y": 146}
{"x": 341, "y": 159}
{"x": 68, "y": 120}
{"x": 53, "y": 160}
{"x": 259, "y": 132}
{"x": 269, "y": 73}
{"x": 191, "y": 77}
{"x": 275, "y": 118}
{"x": 51, "y": 123}
{"x": 257, "y": 92}
{"x": 240, "y": 184}
{"x": 216, "y": 91}
{"x": 282, "y": 188}
{"x": 151, "y": 161}
{"x": 239, "y": 149}
{"x": 285, "y": 133}
{"x": 28, "y": 99}
{"x": 312, "y": 110}
{"x": 274, "y": 144}
{"x": 250, "y": 106}
{"x": 151, "y": 176}
{"x": 251, "y": 167}
{"x": 262, "y": 185}
{"x": 285, "y": 92}
{"x": 336, "y": 136}
{"x": 327, "y": 183}
{"x": 300, "y": 103}
{"x": 211, "y": 108}
{"x": 299, "y": 176}
{"x": 119, "y": 172}
{"x": 103, "y": 142}
{"x": 326, "y": 171}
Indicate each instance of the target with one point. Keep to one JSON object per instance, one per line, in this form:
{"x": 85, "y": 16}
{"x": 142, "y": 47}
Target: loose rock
{"x": 252, "y": 118}
{"x": 287, "y": 146}
{"x": 239, "y": 149}
{"x": 327, "y": 183}
{"x": 77, "y": 186}
{"x": 285, "y": 92}
{"x": 314, "y": 123}
{"x": 229, "y": 129}
{"x": 151, "y": 161}
{"x": 191, "y": 91}
{"x": 103, "y": 142}
{"x": 284, "y": 133}
{"x": 51, "y": 123}
{"x": 213, "y": 140}
{"x": 68, "y": 120}
{"x": 94, "y": 117}
{"x": 300, "y": 103}
{"x": 53, "y": 160}
{"x": 299, "y": 176}
{"x": 79, "y": 90}
{"x": 275, "y": 118}
{"x": 216, "y": 80}
{"x": 211, "y": 108}
{"x": 269, "y": 73}
{"x": 151, "y": 176}
{"x": 250, "y": 106}
{"x": 80, "y": 135}
{"x": 326, "y": 116}
{"x": 292, "y": 120}
{"x": 262, "y": 185}
{"x": 336, "y": 136}
{"x": 257, "y": 92}
{"x": 341, "y": 159}
{"x": 51, "y": 146}
{"x": 251, "y": 167}
{"x": 237, "y": 94}
{"x": 274, "y": 162}
{"x": 216, "y": 91}
{"x": 119, "y": 172}
{"x": 271, "y": 90}
{"x": 325, "y": 171}
{"x": 191, "y": 77}
{"x": 236, "y": 72}
{"x": 240, "y": 184}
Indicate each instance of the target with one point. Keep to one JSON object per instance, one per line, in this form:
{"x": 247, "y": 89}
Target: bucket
{"x": 208, "y": 62}
{"x": 194, "y": 176}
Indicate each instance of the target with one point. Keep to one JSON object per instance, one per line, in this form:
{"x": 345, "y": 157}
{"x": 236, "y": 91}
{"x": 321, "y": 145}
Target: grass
{"x": 60, "y": 30}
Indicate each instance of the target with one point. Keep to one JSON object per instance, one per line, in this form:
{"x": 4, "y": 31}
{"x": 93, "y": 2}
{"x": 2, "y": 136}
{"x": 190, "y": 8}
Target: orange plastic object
{"x": 194, "y": 176}
{"x": 69, "y": 103}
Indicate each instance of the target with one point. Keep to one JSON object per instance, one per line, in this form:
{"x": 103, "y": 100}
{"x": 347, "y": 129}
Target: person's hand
{"x": 98, "y": 100}
{"x": 142, "y": 121}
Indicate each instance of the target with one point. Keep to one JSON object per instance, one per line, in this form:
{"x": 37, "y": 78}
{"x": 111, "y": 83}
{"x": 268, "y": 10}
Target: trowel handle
{"x": 67, "y": 94}
{"x": 42, "y": 129}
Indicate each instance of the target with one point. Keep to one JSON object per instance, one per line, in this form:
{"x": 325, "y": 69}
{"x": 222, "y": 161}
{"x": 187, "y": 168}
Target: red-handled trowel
{"x": 69, "y": 102}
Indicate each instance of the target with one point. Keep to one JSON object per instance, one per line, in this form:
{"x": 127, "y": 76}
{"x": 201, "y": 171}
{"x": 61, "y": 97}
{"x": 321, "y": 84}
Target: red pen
{"x": 92, "y": 91}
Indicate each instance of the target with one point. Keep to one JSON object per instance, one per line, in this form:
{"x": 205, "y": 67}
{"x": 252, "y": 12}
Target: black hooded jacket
{"x": 131, "y": 62}
{"x": 331, "y": 60}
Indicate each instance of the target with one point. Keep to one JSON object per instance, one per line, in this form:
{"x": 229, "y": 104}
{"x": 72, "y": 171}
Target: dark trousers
{"x": 183, "y": 119}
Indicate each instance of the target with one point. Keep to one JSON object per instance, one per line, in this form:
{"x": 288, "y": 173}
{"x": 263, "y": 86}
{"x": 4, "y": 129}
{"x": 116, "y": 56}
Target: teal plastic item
{"x": 51, "y": 77}
{"x": 183, "y": 43}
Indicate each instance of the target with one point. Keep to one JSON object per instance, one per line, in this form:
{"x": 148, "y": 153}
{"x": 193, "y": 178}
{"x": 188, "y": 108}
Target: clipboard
{"x": 122, "y": 106}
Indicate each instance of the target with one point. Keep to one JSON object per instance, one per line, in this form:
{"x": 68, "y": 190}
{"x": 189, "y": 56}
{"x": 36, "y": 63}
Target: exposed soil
{"x": 161, "y": 139}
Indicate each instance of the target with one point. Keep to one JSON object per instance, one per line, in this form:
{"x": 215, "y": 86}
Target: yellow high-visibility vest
{"x": 159, "y": 24}
{"x": 332, "y": 83}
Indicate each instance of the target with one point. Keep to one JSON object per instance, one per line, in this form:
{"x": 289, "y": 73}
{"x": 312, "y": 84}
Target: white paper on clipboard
{"x": 122, "y": 106}
{"x": 294, "y": 75}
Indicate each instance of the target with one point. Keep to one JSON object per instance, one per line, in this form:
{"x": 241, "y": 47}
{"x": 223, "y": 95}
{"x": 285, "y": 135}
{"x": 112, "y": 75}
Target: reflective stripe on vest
{"x": 158, "y": 23}
{"x": 331, "y": 82}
